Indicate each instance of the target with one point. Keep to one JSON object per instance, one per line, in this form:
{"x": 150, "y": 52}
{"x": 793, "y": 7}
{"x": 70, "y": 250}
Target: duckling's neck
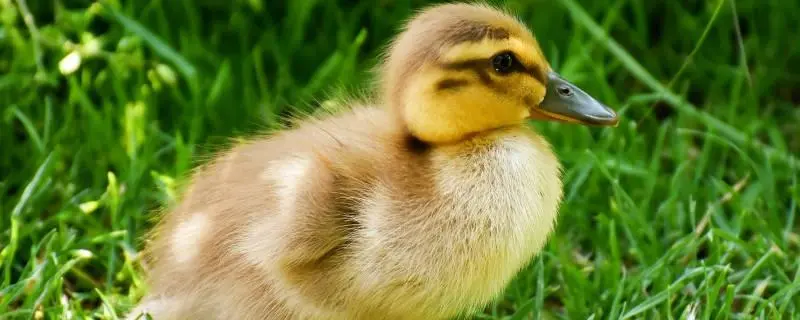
{"x": 468, "y": 139}
{"x": 493, "y": 196}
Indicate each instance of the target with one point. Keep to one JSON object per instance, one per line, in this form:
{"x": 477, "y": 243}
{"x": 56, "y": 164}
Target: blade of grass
{"x": 690, "y": 58}
{"x": 740, "y": 43}
{"x": 9, "y": 251}
{"x": 662, "y": 296}
{"x": 30, "y": 128}
{"x": 674, "y": 100}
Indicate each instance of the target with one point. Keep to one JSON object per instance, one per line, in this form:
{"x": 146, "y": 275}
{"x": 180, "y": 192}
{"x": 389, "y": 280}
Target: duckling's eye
{"x": 504, "y": 62}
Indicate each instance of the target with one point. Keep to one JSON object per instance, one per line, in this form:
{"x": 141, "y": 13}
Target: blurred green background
{"x": 687, "y": 210}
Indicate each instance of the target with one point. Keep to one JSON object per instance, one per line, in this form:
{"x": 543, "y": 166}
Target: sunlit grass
{"x": 686, "y": 210}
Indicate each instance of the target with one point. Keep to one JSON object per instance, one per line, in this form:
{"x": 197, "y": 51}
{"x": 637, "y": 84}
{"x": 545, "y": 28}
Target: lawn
{"x": 687, "y": 210}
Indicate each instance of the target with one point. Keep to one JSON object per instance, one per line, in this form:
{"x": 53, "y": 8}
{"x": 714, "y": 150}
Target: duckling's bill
{"x": 566, "y": 102}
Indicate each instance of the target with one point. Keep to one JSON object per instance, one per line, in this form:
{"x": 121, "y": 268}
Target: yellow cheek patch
{"x": 442, "y": 116}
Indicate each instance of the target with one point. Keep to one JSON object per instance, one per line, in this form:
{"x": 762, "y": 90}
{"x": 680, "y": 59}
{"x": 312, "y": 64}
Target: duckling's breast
{"x": 488, "y": 209}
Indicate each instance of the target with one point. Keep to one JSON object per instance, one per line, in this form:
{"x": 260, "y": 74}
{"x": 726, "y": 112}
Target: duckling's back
{"x": 263, "y": 221}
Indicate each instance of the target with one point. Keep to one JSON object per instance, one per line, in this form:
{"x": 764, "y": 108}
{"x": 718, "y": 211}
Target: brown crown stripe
{"x": 498, "y": 34}
{"x": 476, "y": 33}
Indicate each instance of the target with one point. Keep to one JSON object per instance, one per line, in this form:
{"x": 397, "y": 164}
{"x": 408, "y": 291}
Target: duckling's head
{"x": 458, "y": 70}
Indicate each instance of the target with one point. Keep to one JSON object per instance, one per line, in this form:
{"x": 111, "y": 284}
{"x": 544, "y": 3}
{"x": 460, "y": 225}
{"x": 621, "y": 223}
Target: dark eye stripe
{"x": 483, "y": 76}
{"x": 479, "y": 66}
{"x": 482, "y": 65}
{"x": 466, "y": 64}
{"x": 450, "y": 84}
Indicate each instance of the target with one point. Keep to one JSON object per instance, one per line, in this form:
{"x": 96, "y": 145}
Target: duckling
{"x": 422, "y": 204}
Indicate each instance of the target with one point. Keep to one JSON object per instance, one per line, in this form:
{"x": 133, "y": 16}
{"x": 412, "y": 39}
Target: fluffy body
{"x": 423, "y": 205}
{"x": 368, "y": 229}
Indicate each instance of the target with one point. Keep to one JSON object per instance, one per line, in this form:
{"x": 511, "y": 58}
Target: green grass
{"x": 687, "y": 210}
